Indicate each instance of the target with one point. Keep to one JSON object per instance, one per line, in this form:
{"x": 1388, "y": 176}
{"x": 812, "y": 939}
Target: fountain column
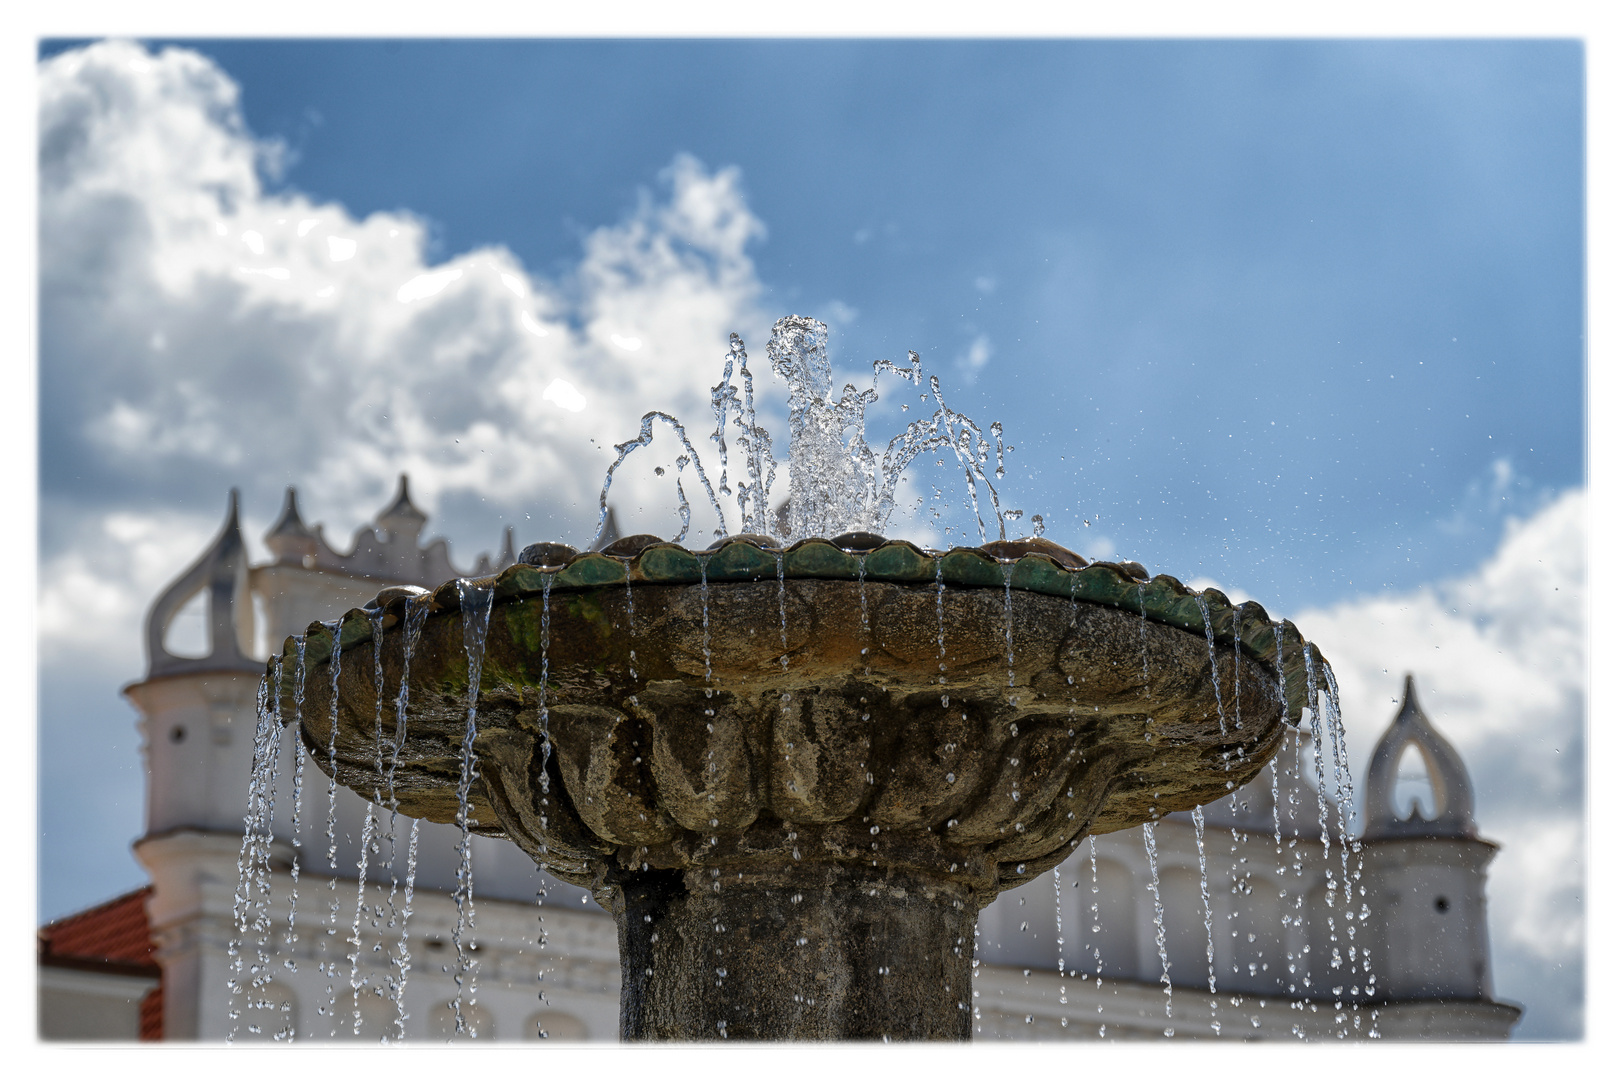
{"x": 807, "y": 951}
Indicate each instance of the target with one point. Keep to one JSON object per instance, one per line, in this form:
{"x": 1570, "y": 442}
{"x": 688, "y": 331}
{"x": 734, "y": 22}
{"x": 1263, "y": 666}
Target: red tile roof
{"x": 152, "y": 1015}
{"x": 113, "y": 936}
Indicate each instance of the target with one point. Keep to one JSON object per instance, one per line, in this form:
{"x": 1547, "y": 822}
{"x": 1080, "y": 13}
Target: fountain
{"x": 794, "y": 772}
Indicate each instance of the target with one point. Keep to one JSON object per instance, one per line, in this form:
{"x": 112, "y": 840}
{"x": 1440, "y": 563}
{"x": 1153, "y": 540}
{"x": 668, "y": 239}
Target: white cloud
{"x": 200, "y": 333}
{"x": 93, "y": 595}
{"x": 1499, "y": 657}
{"x": 294, "y": 329}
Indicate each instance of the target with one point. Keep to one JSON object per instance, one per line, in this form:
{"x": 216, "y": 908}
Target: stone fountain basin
{"x": 718, "y": 754}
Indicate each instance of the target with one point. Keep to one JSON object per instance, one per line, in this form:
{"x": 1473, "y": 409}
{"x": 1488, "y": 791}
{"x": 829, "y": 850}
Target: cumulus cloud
{"x": 1499, "y": 657}
{"x": 200, "y": 333}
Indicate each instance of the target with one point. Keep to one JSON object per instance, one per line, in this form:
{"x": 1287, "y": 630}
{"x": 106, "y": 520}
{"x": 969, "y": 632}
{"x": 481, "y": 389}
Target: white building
{"x": 1403, "y": 953}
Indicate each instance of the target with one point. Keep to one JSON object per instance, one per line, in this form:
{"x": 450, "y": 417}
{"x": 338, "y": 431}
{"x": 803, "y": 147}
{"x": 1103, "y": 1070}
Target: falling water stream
{"x": 1206, "y": 910}
{"x": 259, "y": 862}
{"x": 292, "y": 936}
{"x": 327, "y": 965}
{"x": 475, "y": 597}
{"x": 1160, "y": 918}
{"x": 1211, "y": 650}
{"x": 416, "y": 616}
{"x": 268, "y": 709}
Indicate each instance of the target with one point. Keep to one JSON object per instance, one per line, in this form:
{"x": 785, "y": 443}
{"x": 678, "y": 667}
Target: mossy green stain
{"x": 741, "y": 561}
{"x": 899, "y": 563}
{"x": 964, "y": 567}
{"x": 672, "y": 565}
{"x": 592, "y": 570}
{"x": 820, "y": 559}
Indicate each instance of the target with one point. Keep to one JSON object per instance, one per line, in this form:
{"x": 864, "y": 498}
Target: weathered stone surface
{"x": 817, "y": 950}
{"x": 892, "y": 753}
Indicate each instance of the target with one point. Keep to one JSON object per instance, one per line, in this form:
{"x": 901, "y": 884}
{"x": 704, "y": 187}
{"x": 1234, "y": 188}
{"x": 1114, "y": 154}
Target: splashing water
{"x": 1160, "y": 917}
{"x": 541, "y": 945}
{"x": 1206, "y": 908}
{"x": 837, "y": 481}
{"x": 402, "y": 959}
{"x": 1343, "y": 774}
{"x": 1284, "y": 718}
{"x": 645, "y": 436}
{"x": 255, "y": 870}
{"x": 1350, "y": 844}
{"x": 1318, "y": 749}
{"x": 1059, "y": 937}
{"x": 389, "y": 799}
{"x": 1098, "y": 956}
{"x": 368, "y": 824}
{"x": 416, "y": 616}
{"x": 475, "y": 597}
{"x": 1315, "y": 687}
{"x": 261, "y": 972}
{"x": 755, "y": 443}
{"x": 268, "y": 709}
{"x": 291, "y": 937}
{"x": 1333, "y": 703}
{"x": 326, "y": 965}
{"x": 1211, "y": 650}
{"x": 546, "y": 752}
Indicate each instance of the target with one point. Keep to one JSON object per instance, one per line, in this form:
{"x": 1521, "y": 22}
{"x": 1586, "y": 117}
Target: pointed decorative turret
{"x": 222, "y": 571}
{"x": 1450, "y": 784}
{"x": 1428, "y": 876}
{"x": 401, "y": 519}
{"x": 509, "y": 554}
{"x": 290, "y": 541}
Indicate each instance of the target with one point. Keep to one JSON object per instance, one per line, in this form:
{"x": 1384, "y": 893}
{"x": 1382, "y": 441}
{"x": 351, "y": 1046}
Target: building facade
{"x": 1259, "y": 918}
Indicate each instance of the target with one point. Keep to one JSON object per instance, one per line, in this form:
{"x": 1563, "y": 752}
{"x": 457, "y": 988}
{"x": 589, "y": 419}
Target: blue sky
{"x": 1303, "y": 319}
{"x": 1281, "y": 306}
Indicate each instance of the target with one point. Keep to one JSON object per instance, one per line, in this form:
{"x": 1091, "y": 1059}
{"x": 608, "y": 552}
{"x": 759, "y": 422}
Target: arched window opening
{"x": 1413, "y": 787}
{"x": 187, "y": 635}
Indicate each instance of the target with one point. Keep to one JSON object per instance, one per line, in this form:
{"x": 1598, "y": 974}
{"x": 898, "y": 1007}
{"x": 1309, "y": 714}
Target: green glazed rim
{"x": 1162, "y": 599}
